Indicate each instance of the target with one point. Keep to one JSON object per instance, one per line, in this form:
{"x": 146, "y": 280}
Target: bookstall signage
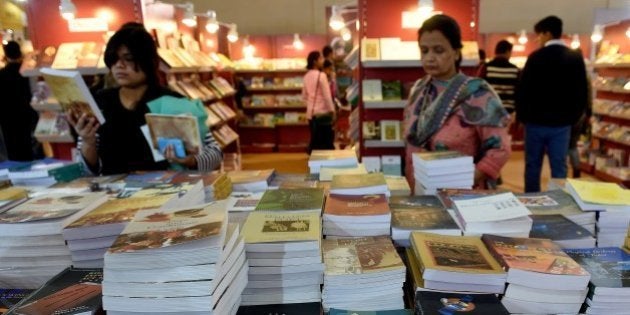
{"x": 94, "y": 24}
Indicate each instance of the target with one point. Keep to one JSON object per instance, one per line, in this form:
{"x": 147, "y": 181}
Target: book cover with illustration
{"x": 422, "y": 218}
{"x": 157, "y": 190}
{"x": 163, "y": 228}
{"x": 358, "y": 180}
{"x": 360, "y": 205}
{"x": 52, "y": 206}
{"x": 267, "y": 227}
{"x": 556, "y": 227}
{"x": 609, "y": 266}
{"x": 10, "y": 297}
{"x": 364, "y": 255}
{"x": 532, "y": 254}
{"x": 72, "y": 93}
{"x": 392, "y": 90}
{"x": 73, "y": 291}
{"x": 182, "y": 127}
{"x": 118, "y": 210}
{"x": 465, "y": 254}
{"x": 445, "y": 303}
{"x": 555, "y": 201}
{"x": 291, "y": 199}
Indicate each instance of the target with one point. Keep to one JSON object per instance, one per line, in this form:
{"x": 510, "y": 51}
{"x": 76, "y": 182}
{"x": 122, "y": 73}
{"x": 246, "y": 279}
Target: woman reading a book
{"x": 320, "y": 109}
{"x": 448, "y": 110}
{"x": 119, "y": 146}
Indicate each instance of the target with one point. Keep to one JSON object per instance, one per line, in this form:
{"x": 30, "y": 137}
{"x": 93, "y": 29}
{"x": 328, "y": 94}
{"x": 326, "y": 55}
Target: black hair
{"x": 327, "y": 64}
{"x": 311, "y": 60}
{"x": 503, "y": 47}
{"x": 12, "y": 50}
{"x": 551, "y": 24}
{"x": 326, "y": 51}
{"x": 482, "y": 55}
{"x": 448, "y": 27}
{"x": 141, "y": 46}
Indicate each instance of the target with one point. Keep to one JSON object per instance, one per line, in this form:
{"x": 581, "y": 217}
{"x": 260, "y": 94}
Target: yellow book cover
{"x": 13, "y": 193}
{"x": 370, "y": 49}
{"x": 365, "y": 255}
{"x": 357, "y": 180}
{"x": 72, "y": 93}
{"x": 119, "y": 210}
{"x": 466, "y": 254}
{"x": 170, "y": 58}
{"x": 269, "y": 227}
{"x": 415, "y": 269}
{"x": 602, "y": 193}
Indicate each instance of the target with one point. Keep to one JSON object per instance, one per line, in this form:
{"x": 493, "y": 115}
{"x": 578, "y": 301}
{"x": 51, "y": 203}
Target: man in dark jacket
{"x": 17, "y": 117}
{"x": 550, "y": 98}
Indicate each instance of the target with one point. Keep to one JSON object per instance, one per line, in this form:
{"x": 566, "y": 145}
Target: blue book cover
{"x": 556, "y": 228}
{"x": 609, "y": 266}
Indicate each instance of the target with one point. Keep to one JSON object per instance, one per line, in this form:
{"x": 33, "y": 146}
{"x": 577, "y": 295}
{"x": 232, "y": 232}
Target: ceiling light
{"x": 336, "y": 20}
{"x": 212, "y": 25}
{"x": 232, "y": 35}
{"x": 575, "y": 42}
{"x": 345, "y": 33}
{"x": 598, "y": 33}
{"x": 522, "y": 38}
{"x": 67, "y": 9}
{"x": 297, "y": 42}
{"x": 189, "y": 18}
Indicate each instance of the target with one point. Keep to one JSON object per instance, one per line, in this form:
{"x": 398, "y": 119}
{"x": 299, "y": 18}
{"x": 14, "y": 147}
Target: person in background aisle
{"x": 119, "y": 146}
{"x": 329, "y": 69}
{"x": 17, "y": 118}
{"x": 448, "y": 110}
{"x": 502, "y": 74}
{"x": 581, "y": 127}
{"x": 482, "y": 60}
{"x": 327, "y": 52}
{"x": 320, "y": 109}
{"x": 550, "y": 98}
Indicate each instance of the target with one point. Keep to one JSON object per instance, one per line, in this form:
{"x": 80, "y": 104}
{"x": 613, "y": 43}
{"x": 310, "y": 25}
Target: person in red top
{"x": 320, "y": 109}
{"x": 448, "y": 110}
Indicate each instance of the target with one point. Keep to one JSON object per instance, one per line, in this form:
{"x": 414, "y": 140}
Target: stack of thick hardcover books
{"x": 541, "y": 278}
{"x": 178, "y": 261}
{"x": 32, "y": 249}
{"x": 442, "y": 169}
{"x": 362, "y": 274}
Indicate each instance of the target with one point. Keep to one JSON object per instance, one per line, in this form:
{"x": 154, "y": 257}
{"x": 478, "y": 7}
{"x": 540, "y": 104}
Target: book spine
{"x": 498, "y": 257}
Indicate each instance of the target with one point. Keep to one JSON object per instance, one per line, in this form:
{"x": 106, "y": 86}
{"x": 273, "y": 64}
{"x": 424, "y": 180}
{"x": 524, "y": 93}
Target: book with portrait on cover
{"x": 72, "y": 93}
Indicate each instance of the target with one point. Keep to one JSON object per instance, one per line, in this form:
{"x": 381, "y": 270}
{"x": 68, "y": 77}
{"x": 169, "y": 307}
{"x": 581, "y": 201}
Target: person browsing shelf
{"x": 119, "y": 146}
{"x": 320, "y": 109}
{"x": 448, "y": 110}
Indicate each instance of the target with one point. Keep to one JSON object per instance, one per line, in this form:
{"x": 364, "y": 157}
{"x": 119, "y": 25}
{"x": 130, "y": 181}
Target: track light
{"x": 598, "y": 33}
{"x": 575, "y": 42}
{"x": 67, "y": 9}
{"x": 212, "y": 25}
{"x": 189, "y": 18}
{"x": 522, "y": 38}
{"x": 297, "y": 42}
{"x": 345, "y": 33}
{"x": 336, "y": 20}
{"x": 232, "y": 35}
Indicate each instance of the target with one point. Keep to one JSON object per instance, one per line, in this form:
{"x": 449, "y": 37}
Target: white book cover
{"x": 498, "y": 207}
{"x": 372, "y": 163}
{"x": 372, "y": 90}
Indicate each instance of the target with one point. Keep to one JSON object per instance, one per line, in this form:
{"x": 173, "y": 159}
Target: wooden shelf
{"x": 587, "y": 168}
{"x": 383, "y": 144}
{"x": 384, "y": 104}
{"x": 621, "y": 65}
{"x": 612, "y": 140}
{"x": 612, "y": 91}
{"x": 610, "y": 178}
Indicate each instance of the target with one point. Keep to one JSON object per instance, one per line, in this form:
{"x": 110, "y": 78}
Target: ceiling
{"x": 308, "y": 16}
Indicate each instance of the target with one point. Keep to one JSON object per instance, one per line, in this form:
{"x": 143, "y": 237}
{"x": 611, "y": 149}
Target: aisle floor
{"x": 512, "y": 173}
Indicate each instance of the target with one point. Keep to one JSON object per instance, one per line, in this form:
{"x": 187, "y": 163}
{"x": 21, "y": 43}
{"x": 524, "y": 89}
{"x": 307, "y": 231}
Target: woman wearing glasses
{"x": 119, "y": 146}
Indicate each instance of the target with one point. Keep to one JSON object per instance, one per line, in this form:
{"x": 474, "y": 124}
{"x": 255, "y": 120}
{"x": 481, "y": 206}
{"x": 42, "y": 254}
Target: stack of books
{"x": 501, "y": 214}
{"x": 398, "y": 185}
{"x": 447, "y": 303}
{"x": 361, "y": 184}
{"x": 252, "y": 181}
{"x": 562, "y": 231}
{"x": 240, "y": 204}
{"x": 609, "y": 289}
{"x": 331, "y": 158}
{"x": 45, "y": 173}
{"x": 557, "y": 201}
{"x": 32, "y": 249}
{"x": 362, "y": 274}
{"x": 71, "y": 291}
{"x": 91, "y": 235}
{"x": 356, "y": 216}
{"x": 326, "y": 173}
{"x": 453, "y": 263}
{"x": 541, "y": 278}
{"x": 284, "y": 252}
{"x": 217, "y": 186}
{"x": 442, "y": 169}
{"x": 420, "y": 213}
{"x": 176, "y": 260}
{"x": 11, "y": 197}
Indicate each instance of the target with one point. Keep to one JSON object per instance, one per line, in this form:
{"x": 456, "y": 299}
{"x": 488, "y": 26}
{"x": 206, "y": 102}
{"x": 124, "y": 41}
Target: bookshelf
{"x": 272, "y": 103}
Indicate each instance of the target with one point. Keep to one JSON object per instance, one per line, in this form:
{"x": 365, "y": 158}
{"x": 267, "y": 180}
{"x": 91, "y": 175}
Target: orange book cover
{"x": 347, "y": 205}
{"x": 65, "y": 299}
{"x": 532, "y": 254}
{"x": 119, "y": 210}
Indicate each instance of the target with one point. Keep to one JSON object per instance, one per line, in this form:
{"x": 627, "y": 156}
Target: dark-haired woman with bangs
{"x": 448, "y": 110}
{"x": 119, "y": 146}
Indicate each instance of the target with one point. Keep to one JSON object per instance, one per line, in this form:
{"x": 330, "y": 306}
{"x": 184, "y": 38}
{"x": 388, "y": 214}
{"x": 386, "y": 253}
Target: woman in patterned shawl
{"x": 448, "y": 110}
